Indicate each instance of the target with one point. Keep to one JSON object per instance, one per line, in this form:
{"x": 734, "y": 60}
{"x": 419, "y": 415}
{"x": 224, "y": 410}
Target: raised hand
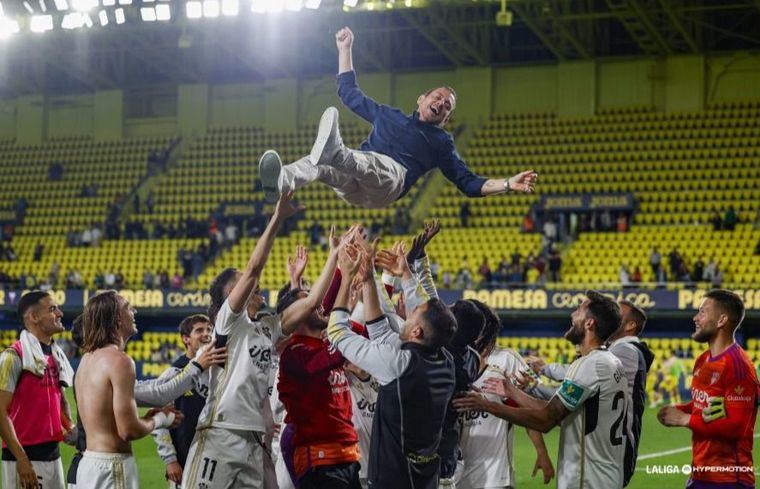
{"x": 297, "y": 264}
{"x": 393, "y": 261}
{"x": 367, "y": 265}
{"x": 524, "y": 182}
{"x": 344, "y": 39}
{"x": 285, "y": 207}
{"x": 349, "y": 260}
{"x": 420, "y": 241}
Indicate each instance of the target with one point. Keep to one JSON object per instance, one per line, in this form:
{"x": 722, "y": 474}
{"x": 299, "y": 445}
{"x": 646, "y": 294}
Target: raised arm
{"x": 297, "y": 265}
{"x": 344, "y": 39}
{"x": 348, "y": 90}
{"x": 523, "y": 182}
{"x": 383, "y": 361}
{"x": 394, "y": 262}
{"x": 241, "y": 292}
{"x": 418, "y": 260}
{"x": 302, "y": 308}
{"x": 455, "y": 169}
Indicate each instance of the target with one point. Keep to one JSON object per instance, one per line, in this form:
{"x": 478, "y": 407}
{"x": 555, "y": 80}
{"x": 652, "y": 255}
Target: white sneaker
{"x": 270, "y": 167}
{"x": 328, "y": 138}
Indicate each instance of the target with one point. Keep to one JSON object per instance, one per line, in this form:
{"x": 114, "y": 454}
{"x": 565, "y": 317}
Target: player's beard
{"x": 575, "y": 334}
{"x": 704, "y": 334}
{"x": 317, "y": 321}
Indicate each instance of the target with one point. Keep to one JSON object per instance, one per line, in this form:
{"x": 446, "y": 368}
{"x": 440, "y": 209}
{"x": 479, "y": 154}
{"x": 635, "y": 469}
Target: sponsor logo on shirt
{"x": 714, "y": 378}
{"x": 473, "y": 417}
{"x": 261, "y": 356}
{"x": 571, "y": 392}
{"x": 365, "y": 406}
{"x": 338, "y": 381}
{"x": 699, "y": 396}
{"x": 738, "y": 397}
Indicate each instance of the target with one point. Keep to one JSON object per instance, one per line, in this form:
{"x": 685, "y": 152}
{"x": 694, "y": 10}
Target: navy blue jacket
{"x": 417, "y": 146}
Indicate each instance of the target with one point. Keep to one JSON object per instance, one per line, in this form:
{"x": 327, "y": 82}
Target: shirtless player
{"x": 104, "y": 384}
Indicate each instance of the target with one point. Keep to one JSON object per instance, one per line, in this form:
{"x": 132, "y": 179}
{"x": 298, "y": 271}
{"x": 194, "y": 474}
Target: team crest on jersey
{"x": 738, "y": 389}
{"x": 571, "y": 392}
{"x": 715, "y": 378}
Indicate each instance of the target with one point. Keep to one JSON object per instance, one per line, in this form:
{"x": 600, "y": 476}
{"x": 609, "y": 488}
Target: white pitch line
{"x": 671, "y": 452}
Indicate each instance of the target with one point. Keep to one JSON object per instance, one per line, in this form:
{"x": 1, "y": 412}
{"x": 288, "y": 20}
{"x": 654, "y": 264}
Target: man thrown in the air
{"x": 400, "y": 149}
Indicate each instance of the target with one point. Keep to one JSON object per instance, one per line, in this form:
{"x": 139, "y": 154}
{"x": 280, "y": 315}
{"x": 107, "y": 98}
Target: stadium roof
{"x": 392, "y": 35}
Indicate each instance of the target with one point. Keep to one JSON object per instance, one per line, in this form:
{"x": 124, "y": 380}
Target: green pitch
{"x": 655, "y": 440}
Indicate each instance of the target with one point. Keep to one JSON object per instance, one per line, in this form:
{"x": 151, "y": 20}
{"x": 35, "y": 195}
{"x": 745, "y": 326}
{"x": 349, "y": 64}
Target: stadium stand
{"x": 57, "y": 206}
{"x": 221, "y": 166}
{"x": 682, "y": 168}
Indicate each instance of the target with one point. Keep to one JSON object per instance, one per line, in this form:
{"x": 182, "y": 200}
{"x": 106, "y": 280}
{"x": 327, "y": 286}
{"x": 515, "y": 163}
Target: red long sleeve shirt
{"x": 722, "y": 449}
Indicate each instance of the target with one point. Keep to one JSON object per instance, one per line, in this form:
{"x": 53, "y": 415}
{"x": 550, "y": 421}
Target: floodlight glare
{"x": 1, "y": 9}
{"x": 125, "y": 2}
{"x": 28, "y": 7}
{"x": 163, "y": 12}
{"x": 211, "y": 8}
{"x": 258, "y": 6}
{"x": 84, "y": 5}
{"x": 119, "y": 15}
{"x": 350, "y": 3}
{"x": 73, "y": 20}
{"x": 275, "y": 6}
{"x": 148, "y": 14}
{"x": 312, "y": 4}
{"x": 293, "y": 5}
{"x": 41, "y": 23}
{"x": 61, "y": 4}
{"x": 408, "y": 3}
{"x": 43, "y": 7}
{"x": 193, "y": 9}
{"x": 109, "y": 3}
{"x": 8, "y": 27}
{"x": 230, "y": 7}
{"x": 103, "y": 17}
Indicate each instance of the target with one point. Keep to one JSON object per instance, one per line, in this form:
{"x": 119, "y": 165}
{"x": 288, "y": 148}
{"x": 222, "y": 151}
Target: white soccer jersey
{"x": 363, "y": 399}
{"x": 592, "y": 437}
{"x": 487, "y": 441}
{"x": 238, "y": 394}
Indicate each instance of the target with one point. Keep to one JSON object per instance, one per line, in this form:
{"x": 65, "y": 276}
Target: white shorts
{"x": 49, "y": 474}
{"x": 224, "y": 459}
{"x": 99, "y": 470}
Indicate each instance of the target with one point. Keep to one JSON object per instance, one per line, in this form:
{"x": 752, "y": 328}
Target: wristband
{"x": 507, "y": 188}
{"x": 163, "y": 420}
